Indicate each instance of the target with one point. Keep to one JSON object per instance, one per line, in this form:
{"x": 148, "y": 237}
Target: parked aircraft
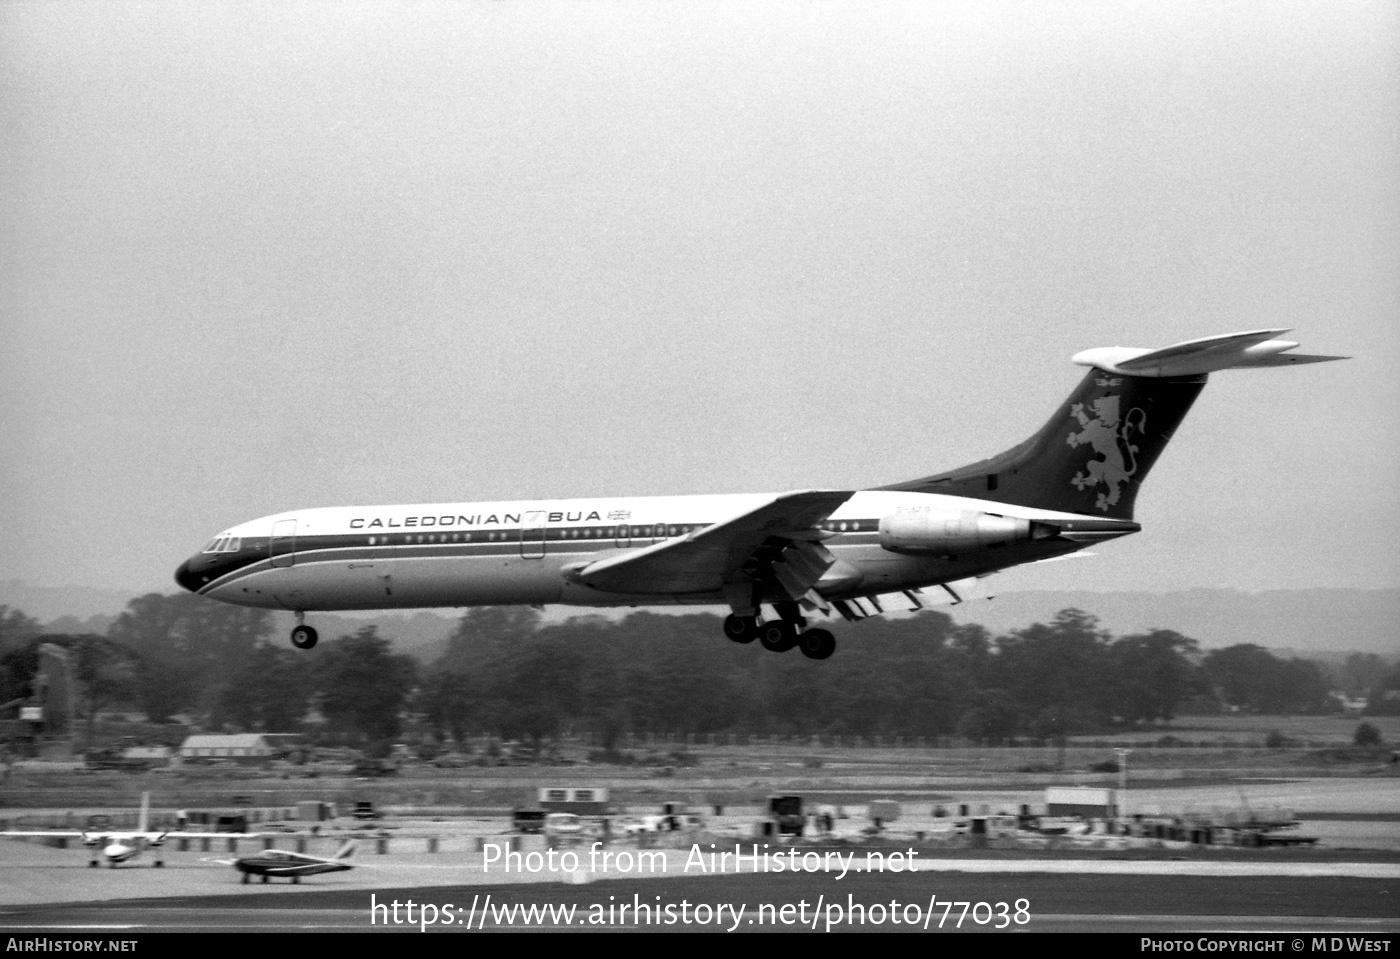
{"x": 282, "y": 864}
{"x": 115, "y": 846}
{"x": 853, "y": 553}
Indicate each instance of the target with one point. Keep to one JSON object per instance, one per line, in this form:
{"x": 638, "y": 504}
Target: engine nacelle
{"x": 930, "y": 532}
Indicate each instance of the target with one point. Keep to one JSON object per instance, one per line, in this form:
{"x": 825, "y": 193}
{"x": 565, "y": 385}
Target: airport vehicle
{"x": 642, "y": 825}
{"x": 529, "y": 821}
{"x": 786, "y": 814}
{"x": 563, "y": 825}
{"x": 283, "y": 864}
{"x": 364, "y": 809}
{"x": 852, "y": 553}
{"x": 117, "y": 846}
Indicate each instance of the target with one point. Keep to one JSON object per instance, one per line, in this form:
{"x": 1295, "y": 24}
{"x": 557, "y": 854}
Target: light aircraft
{"x": 282, "y": 864}
{"x": 116, "y": 847}
{"x": 855, "y": 553}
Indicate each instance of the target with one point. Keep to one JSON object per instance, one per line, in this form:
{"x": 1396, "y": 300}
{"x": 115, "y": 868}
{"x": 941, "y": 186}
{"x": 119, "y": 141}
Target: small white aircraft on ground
{"x": 117, "y": 846}
{"x": 853, "y": 553}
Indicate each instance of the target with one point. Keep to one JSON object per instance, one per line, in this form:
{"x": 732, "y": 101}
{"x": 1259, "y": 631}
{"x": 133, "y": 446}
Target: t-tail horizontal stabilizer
{"x": 1205, "y": 355}
{"x": 1093, "y": 454}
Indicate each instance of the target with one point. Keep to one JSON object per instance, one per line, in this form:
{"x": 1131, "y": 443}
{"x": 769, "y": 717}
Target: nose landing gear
{"x": 303, "y": 636}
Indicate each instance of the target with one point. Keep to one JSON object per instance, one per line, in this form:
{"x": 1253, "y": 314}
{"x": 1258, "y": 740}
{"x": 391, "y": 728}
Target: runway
{"x": 925, "y": 901}
{"x": 52, "y": 891}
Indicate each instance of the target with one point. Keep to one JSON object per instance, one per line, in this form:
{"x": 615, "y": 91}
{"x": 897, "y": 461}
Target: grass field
{"x": 1309, "y": 730}
{"x": 1192, "y": 750}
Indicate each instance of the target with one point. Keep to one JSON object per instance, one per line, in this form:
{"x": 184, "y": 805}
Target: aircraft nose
{"x": 186, "y": 577}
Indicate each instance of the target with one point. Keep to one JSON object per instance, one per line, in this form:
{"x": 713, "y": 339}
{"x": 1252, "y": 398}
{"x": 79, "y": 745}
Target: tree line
{"x": 505, "y": 673}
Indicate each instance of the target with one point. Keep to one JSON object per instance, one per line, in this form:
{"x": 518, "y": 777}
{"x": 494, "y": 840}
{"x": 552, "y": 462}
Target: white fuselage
{"x": 501, "y": 553}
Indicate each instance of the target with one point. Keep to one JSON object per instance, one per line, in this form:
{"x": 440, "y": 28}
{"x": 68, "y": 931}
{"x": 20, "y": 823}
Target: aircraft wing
{"x": 120, "y": 835}
{"x": 703, "y": 561}
{"x": 158, "y": 838}
{"x": 306, "y": 864}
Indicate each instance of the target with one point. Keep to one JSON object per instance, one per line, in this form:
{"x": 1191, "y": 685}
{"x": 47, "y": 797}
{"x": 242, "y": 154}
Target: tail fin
{"x": 144, "y": 823}
{"x": 345, "y": 851}
{"x": 1096, "y": 450}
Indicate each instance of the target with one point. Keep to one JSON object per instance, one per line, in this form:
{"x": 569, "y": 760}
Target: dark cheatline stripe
{"x": 368, "y": 548}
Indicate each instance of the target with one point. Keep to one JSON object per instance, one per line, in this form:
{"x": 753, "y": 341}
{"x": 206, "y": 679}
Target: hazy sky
{"x": 262, "y": 256}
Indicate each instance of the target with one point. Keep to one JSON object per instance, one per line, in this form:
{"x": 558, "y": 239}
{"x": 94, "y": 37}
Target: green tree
{"x": 1062, "y": 663}
{"x": 269, "y": 692}
{"x": 189, "y": 647}
{"x": 1384, "y": 698}
{"x": 18, "y": 667}
{"x": 1251, "y": 678}
{"x": 991, "y": 723}
{"x": 449, "y": 703}
{"x": 1302, "y": 688}
{"x": 1359, "y": 673}
{"x": 486, "y": 634}
{"x": 16, "y": 629}
{"x": 107, "y": 674}
{"x": 1367, "y": 735}
{"x": 363, "y": 685}
{"x": 1151, "y": 674}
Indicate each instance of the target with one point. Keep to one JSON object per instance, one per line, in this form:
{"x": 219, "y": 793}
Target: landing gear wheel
{"x": 304, "y": 637}
{"x": 741, "y": 629}
{"x": 817, "y": 644}
{"x": 778, "y": 636}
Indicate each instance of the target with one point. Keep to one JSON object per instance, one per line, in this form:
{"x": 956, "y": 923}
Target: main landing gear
{"x": 780, "y": 635}
{"x": 816, "y": 643}
{"x": 303, "y": 636}
{"x": 741, "y": 629}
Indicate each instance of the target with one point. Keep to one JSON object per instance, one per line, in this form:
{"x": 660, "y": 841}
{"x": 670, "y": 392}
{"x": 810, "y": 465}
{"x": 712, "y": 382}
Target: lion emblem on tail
{"x": 1110, "y": 434}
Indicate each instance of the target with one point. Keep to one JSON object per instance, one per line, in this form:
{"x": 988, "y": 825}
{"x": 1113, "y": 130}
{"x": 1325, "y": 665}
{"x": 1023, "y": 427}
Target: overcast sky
{"x": 263, "y": 256}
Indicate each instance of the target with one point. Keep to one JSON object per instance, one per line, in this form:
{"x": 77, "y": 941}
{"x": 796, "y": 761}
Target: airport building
{"x": 238, "y": 747}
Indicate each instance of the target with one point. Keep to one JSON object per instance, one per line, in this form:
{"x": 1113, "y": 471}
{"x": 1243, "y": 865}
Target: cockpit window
{"x": 213, "y": 547}
{"x": 224, "y": 544}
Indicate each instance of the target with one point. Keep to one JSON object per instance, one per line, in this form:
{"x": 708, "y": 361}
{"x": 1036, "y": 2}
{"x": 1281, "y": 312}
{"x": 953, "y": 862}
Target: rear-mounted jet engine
{"x": 951, "y": 532}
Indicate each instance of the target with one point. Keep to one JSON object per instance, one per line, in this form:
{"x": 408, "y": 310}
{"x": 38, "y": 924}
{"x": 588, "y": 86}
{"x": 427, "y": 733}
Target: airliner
{"x": 774, "y": 559}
